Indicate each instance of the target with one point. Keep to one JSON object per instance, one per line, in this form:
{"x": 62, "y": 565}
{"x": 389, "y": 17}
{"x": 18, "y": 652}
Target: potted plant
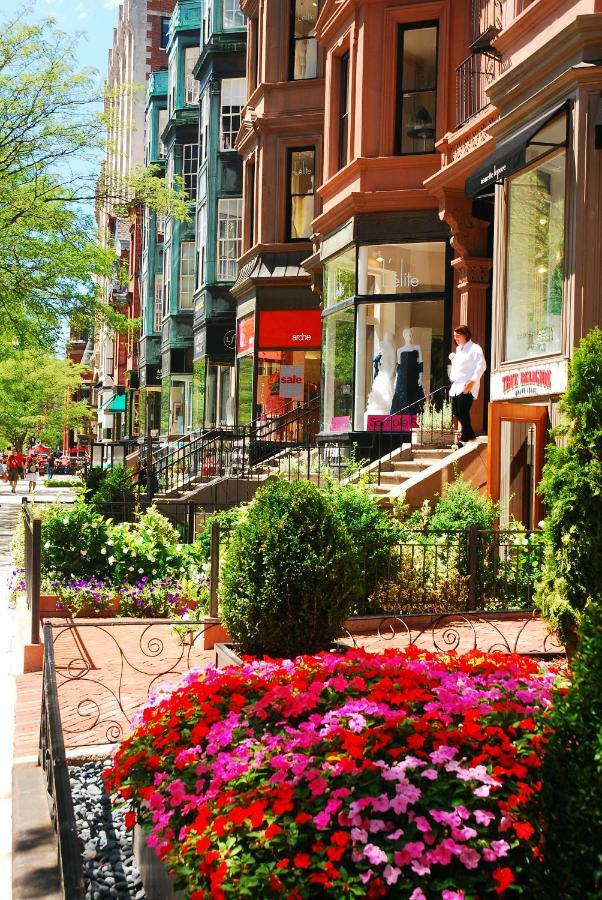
{"x": 435, "y": 426}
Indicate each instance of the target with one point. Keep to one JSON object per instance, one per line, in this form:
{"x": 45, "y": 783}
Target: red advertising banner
{"x": 246, "y": 335}
{"x": 290, "y": 329}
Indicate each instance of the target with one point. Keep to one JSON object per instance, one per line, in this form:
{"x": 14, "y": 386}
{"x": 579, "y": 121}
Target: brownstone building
{"x": 281, "y": 142}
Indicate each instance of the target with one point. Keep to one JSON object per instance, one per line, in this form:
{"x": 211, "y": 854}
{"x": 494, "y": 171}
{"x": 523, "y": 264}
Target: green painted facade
{"x": 220, "y": 72}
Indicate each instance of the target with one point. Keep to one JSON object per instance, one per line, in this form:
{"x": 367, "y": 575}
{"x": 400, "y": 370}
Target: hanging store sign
{"x": 246, "y": 335}
{"x": 292, "y": 380}
{"x": 542, "y": 380}
{"x": 290, "y": 329}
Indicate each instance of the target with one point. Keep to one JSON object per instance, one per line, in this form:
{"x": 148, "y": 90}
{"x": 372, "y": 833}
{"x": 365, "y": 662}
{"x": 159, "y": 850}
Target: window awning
{"x": 512, "y": 153}
{"x": 115, "y": 404}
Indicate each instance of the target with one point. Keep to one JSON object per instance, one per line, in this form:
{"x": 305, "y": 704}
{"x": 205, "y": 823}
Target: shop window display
{"x": 389, "y": 269}
{"x": 400, "y": 359}
{"x": 337, "y": 363}
{"x": 245, "y": 390}
{"x": 535, "y": 260}
{"x": 219, "y": 403}
{"x": 285, "y": 379}
{"x": 339, "y": 277}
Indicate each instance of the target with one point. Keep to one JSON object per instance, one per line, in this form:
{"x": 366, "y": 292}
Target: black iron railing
{"x": 53, "y": 761}
{"x": 473, "y": 77}
{"x": 32, "y": 565}
{"x": 487, "y": 20}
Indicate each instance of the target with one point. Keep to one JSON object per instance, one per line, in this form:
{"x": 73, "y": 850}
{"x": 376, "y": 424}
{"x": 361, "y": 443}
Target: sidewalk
{"x": 18, "y": 745}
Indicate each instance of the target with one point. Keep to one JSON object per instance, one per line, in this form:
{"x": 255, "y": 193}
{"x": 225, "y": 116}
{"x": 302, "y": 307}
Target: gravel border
{"x": 107, "y": 854}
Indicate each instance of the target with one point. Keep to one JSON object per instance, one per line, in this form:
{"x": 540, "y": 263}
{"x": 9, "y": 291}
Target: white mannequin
{"x": 408, "y": 346}
{"x": 381, "y": 395}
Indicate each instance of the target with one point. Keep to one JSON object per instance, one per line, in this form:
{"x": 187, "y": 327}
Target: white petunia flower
{"x": 141, "y": 571}
{"x": 103, "y": 550}
{"x": 111, "y": 560}
{"x": 46, "y": 545}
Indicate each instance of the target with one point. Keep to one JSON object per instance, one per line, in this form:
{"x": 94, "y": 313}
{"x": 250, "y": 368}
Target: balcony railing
{"x": 486, "y": 22}
{"x": 473, "y": 77}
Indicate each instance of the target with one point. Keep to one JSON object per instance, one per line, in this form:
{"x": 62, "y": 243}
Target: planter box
{"x": 226, "y": 656}
{"x": 158, "y": 885}
{"x": 435, "y": 437}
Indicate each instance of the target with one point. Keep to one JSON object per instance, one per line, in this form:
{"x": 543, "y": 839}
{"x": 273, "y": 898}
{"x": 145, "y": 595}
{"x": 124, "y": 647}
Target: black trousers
{"x": 461, "y": 404}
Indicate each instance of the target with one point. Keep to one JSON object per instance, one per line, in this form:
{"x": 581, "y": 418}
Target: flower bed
{"x": 401, "y": 775}
{"x": 146, "y": 598}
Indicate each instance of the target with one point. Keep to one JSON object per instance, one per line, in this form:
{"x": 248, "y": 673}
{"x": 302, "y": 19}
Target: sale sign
{"x": 292, "y": 380}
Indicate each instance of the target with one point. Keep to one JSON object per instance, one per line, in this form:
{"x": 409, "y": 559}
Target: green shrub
{"x": 114, "y": 489}
{"x": 227, "y": 519}
{"x": 150, "y": 547}
{"x": 373, "y": 533}
{"x": 74, "y": 540}
{"x": 460, "y": 506}
{"x": 570, "y": 801}
{"x": 290, "y": 573}
{"x": 571, "y": 487}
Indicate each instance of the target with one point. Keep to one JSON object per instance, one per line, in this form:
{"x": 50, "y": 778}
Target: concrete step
{"x": 397, "y": 477}
{"x": 408, "y": 465}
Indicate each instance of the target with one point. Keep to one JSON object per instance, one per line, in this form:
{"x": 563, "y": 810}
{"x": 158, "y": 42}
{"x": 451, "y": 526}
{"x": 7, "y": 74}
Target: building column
{"x": 472, "y": 269}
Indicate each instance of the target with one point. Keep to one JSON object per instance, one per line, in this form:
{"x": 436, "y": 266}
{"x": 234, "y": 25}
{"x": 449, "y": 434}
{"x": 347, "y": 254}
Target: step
{"x": 396, "y": 478}
{"x": 409, "y": 464}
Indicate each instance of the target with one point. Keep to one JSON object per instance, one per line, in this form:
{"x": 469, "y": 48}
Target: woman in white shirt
{"x": 465, "y": 372}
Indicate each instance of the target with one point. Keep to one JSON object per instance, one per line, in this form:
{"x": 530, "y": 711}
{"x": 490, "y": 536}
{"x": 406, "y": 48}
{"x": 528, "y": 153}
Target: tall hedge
{"x": 572, "y": 491}
{"x": 570, "y": 800}
{"x": 290, "y": 573}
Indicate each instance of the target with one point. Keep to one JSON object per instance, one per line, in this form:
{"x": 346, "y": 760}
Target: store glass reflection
{"x": 382, "y": 358}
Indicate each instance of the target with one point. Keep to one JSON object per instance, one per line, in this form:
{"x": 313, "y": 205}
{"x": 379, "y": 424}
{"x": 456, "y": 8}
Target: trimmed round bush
{"x": 290, "y": 573}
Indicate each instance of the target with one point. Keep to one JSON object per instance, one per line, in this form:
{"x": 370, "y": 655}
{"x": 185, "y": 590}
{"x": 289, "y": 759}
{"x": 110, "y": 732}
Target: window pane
{"x": 304, "y": 45}
{"x": 190, "y": 164}
{"x": 229, "y": 238}
{"x": 417, "y": 90}
{"x": 339, "y": 277}
{"x": 402, "y": 268}
{"x": 191, "y": 54}
{"x": 201, "y": 238}
{"x": 164, "y": 33}
{"x": 337, "y": 367}
{"x": 232, "y": 16}
{"x": 245, "y": 389}
{"x": 419, "y": 58}
{"x": 302, "y": 172}
{"x": 186, "y": 274}
{"x": 233, "y": 97}
{"x": 400, "y": 359}
{"x": 535, "y": 260}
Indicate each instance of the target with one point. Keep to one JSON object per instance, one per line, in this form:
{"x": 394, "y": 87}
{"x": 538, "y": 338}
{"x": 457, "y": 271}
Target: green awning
{"x": 117, "y": 404}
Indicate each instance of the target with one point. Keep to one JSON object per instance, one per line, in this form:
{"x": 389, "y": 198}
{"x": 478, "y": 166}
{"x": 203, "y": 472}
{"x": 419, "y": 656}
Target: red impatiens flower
{"x": 524, "y": 830}
{"x": 503, "y": 878}
{"x": 130, "y": 820}
{"x": 302, "y": 861}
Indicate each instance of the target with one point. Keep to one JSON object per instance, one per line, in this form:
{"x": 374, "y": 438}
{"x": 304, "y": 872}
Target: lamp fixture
{"x": 541, "y": 270}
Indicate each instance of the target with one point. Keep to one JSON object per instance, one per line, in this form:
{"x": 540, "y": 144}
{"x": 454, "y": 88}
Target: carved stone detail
{"x": 469, "y": 234}
{"x": 472, "y": 271}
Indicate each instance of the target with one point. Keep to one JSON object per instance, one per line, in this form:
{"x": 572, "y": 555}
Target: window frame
{"x": 344, "y": 111}
{"x": 157, "y": 302}
{"x": 164, "y": 32}
{"x": 233, "y": 13}
{"x": 190, "y": 170}
{"x": 221, "y": 260}
{"x": 402, "y": 29}
{"x": 291, "y": 45}
{"x": 289, "y": 194}
{"x": 187, "y": 259}
{"x": 230, "y": 115}
{"x": 504, "y": 360}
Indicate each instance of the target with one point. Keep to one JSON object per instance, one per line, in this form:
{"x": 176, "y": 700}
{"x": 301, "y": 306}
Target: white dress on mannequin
{"x": 381, "y": 395}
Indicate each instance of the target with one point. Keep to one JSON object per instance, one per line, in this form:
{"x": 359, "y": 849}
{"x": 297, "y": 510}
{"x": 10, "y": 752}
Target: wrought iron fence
{"x": 53, "y": 762}
{"x": 434, "y": 572}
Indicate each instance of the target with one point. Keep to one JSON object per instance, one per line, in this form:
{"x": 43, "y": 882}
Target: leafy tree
{"x": 51, "y": 139}
{"x": 571, "y": 487}
{"x": 35, "y": 397}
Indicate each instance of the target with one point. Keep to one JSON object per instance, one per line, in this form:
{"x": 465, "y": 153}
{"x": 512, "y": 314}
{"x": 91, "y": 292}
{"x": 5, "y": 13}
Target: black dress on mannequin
{"x": 408, "y": 395}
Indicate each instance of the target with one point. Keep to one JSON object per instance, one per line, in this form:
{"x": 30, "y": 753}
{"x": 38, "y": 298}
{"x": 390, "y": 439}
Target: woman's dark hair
{"x": 464, "y": 330}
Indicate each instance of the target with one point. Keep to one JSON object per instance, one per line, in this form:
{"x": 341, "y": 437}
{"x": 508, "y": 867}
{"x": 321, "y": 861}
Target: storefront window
{"x": 400, "y": 359}
{"x": 337, "y": 367}
{"x": 245, "y": 390}
{"x": 535, "y": 260}
{"x": 402, "y": 268}
{"x": 198, "y": 392}
{"x": 339, "y": 277}
{"x": 286, "y": 379}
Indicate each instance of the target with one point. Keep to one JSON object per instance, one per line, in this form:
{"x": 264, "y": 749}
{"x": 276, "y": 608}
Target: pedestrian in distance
{"x": 14, "y": 470}
{"x": 3, "y": 475}
{"x": 50, "y": 465}
{"x": 33, "y": 473}
{"x": 465, "y": 373}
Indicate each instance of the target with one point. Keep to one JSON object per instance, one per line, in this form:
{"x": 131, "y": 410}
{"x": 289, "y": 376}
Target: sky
{"x": 95, "y": 19}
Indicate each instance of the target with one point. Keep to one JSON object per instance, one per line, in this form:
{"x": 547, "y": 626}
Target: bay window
{"x": 229, "y": 237}
{"x": 233, "y": 98}
{"x": 303, "y": 44}
{"x": 186, "y": 286}
{"x": 232, "y": 17}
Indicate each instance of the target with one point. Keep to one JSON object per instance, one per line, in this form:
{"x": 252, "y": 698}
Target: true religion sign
{"x": 536, "y": 380}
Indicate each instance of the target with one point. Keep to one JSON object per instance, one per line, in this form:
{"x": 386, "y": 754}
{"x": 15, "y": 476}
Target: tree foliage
{"x": 571, "y": 487}
{"x": 36, "y": 392}
{"x": 52, "y": 134}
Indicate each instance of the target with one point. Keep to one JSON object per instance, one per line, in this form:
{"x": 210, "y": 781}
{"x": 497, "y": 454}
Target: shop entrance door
{"x": 517, "y": 439}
